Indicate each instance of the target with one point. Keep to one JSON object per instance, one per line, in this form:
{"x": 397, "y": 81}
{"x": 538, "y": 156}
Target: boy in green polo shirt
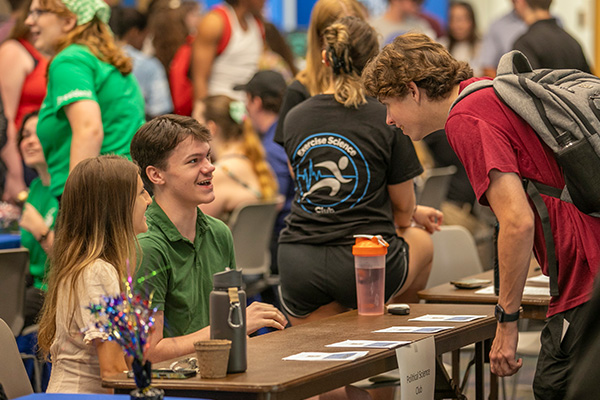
{"x": 183, "y": 247}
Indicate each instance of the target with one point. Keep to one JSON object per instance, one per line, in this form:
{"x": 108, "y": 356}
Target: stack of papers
{"x": 374, "y": 344}
{"x": 414, "y": 329}
{"x": 447, "y": 318}
{"x": 313, "y": 356}
{"x": 527, "y": 291}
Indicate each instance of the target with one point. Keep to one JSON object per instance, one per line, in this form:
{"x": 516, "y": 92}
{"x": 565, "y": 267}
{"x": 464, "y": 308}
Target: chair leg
{"x": 37, "y": 373}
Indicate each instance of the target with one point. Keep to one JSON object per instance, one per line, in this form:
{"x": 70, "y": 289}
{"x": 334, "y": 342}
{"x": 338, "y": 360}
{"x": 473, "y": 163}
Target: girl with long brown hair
{"x": 242, "y": 173}
{"x": 94, "y": 105}
{"x": 102, "y": 211}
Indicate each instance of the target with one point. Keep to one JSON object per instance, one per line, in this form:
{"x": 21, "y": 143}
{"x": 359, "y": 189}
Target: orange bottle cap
{"x": 369, "y": 246}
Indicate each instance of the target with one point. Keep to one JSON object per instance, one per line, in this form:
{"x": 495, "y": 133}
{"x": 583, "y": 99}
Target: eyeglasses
{"x": 35, "y": 13}
{"x": 185, "y": 364}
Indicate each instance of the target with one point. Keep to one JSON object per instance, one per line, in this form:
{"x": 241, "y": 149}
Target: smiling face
{"x": 416, "y": 114}
{"x": 47, "y": 27}
{"x": 30, "y": 146}
{"x": 142, "y": 201}
{"x": 404, "y": 113}
{"x": 188, "y": 175}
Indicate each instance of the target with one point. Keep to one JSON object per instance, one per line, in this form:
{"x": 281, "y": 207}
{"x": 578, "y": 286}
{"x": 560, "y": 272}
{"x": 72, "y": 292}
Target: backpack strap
{"x": 534, "y": 194}
{"x": 472, "y": 88}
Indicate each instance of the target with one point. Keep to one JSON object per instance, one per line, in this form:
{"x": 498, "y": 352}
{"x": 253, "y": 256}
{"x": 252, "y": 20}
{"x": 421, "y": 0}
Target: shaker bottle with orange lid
{"x": 369, "y": 262}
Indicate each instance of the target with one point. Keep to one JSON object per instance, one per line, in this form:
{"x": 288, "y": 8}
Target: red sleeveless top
{"x": 34, "y": 87}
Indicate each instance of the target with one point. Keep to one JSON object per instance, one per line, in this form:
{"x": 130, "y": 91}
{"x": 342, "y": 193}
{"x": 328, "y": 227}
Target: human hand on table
{"x": 260, "y": 315}
{"x": 429, "y": 218}
{"x": 503, "y": 360}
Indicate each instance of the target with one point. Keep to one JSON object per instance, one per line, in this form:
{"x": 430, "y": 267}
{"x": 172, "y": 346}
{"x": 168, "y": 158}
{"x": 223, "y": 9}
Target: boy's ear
{"x": 414, "y": 92}
{"x": 154, "y": 175}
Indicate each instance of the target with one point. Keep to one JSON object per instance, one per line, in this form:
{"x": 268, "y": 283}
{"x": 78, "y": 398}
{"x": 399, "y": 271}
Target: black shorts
{"x": 313, "y": 276}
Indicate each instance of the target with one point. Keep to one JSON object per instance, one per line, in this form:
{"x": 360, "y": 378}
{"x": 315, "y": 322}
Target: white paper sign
{"x": 527, "y": 291}
{"x": 316, "y": 356}
{"x": 374, "y": 344}
{"x": 414, "y": 329}
{"x": 539, "y": 279}
{"x": 447, "y": 318}
{"x": 416, "y": 363}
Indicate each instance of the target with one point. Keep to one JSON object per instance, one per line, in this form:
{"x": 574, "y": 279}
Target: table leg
{"x": 456, "y": 366}
{"x": 479, "y": 379}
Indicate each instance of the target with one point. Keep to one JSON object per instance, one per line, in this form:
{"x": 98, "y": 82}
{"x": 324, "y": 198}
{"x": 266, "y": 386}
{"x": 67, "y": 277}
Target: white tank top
{"x": 239, "y": 61}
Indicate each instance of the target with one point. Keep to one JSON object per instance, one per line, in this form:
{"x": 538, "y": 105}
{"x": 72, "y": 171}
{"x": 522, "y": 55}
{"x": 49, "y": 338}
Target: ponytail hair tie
{"x": 339, "y": 65}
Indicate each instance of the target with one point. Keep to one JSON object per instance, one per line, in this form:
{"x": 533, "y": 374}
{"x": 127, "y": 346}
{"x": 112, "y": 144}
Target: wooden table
{"x": 534, "y": 307}
{"x": 269, "y": 377}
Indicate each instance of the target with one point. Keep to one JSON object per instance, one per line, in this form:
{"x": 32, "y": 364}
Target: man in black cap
{"x": 264, "y": 95}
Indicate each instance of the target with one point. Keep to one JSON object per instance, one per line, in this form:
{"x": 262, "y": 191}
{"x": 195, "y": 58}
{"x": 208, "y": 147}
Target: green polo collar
{"x": 161, "y": 221}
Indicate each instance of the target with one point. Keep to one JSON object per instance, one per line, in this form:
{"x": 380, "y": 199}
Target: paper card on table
{"x": 527, "y": 291}
{"x": 539, "y": 279}
{"x": 416, "y": 363}
{"x": 316, "y": 356}
{"x": 447, "y": 318}
{"x": 374, "y": 344}
{"x": 414, "y": 329}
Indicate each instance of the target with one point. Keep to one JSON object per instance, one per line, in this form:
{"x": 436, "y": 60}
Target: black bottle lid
{"x": 227, "y": 279}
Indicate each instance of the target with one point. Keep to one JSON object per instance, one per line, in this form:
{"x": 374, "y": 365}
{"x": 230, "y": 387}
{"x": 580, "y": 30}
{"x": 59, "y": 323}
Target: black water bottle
{"x": 228, "y": 316}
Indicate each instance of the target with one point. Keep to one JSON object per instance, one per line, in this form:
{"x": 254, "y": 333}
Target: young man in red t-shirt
{"x": 418, "y": 80}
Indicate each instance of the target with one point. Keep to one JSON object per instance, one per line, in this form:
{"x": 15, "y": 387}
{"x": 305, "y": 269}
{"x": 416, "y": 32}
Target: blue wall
{"x": 437, "y": 7}
{"x": 274, "y": 9}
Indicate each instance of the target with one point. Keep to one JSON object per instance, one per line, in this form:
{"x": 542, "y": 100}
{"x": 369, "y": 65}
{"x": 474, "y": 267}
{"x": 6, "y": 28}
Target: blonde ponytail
{"x": 253, "y": 149}
{"x": 350, "y": 43}
{"x": 228, "y": 115}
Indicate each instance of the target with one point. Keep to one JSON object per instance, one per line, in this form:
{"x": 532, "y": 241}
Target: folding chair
{"x": 252, "y": 227}
{"x": 12, "y": 372}
{"x": 432, "y": 190}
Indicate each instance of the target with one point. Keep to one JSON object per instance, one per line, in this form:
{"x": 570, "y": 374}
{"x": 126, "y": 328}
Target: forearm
{"x": 169, "y": 348}
{"x": 11, "y": 158}
{"x": 10, "y": 154}
{"x": 403, "y": 215}
{"x": 86, "y": 143}
{"x": 515, "y": 242}
{"x": 402, "y": 197}
{"x": 111, "y": 358}
{"x": 48, "y": 242}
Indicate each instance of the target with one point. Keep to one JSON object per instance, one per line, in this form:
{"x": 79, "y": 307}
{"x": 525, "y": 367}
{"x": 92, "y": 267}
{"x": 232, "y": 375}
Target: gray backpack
{"x": 563, "y": 108}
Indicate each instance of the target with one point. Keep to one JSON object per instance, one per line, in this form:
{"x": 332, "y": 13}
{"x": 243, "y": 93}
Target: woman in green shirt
{"x": 39, "y": 214}
{"x": 93, "y": 105}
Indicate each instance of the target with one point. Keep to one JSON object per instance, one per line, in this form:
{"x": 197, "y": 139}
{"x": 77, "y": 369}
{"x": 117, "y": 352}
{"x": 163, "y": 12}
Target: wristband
{"x": 44, "y": 237}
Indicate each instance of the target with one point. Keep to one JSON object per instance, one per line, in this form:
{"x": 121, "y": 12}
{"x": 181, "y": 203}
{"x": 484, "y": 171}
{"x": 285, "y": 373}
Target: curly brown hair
{"x": 414, "y": 57}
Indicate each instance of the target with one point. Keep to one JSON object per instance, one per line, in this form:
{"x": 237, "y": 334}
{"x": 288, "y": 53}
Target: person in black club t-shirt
{"x": 353, "y": 175}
